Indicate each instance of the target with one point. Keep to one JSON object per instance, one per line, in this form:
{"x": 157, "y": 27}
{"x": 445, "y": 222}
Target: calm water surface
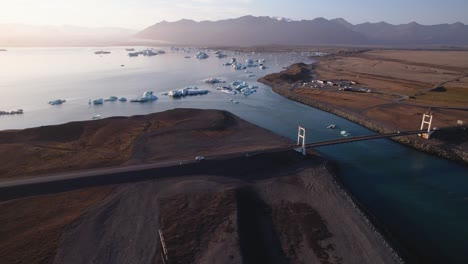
{"x": 422, "y": 200}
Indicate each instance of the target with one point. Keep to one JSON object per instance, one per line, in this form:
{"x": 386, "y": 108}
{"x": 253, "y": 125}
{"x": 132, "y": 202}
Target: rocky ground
{"x": 269, "y": 208}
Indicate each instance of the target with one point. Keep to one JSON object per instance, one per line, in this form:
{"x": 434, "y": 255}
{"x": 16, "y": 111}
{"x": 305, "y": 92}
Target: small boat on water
{"x": 332, "y": 126}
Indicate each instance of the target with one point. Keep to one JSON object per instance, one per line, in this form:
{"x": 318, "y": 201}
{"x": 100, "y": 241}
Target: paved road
{"x": 109, "y": 172}
{"x": 363, "y": 138}
{"x": 131, "y": 168}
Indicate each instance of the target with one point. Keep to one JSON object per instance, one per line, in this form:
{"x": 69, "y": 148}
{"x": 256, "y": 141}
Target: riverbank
{"x": 269, "y": 208}
{"x": 376, "y": 112}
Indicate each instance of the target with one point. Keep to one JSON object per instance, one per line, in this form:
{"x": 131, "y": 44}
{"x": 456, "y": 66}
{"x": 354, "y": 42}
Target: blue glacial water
{"x": 421, "y": 200}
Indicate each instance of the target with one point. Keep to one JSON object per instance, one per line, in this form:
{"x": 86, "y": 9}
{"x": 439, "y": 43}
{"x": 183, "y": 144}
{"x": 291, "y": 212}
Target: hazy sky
{"x": 138, "y": 14}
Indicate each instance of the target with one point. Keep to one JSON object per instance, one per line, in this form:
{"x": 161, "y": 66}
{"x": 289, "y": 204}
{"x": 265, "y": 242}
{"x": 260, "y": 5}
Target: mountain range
{"x": 27, "y": 35}
{"x": 250, "y": 30}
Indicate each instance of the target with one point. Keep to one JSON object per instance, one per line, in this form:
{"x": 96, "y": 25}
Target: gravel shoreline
{"x": 283, "y": 88}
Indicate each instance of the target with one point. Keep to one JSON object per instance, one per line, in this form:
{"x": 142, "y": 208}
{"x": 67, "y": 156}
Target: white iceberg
{"x": 111, "y": 99}
{"x": 344, "y": 133}
{"x": 148, "y": 96}
{"x": 186, "y": 91}
{"x": 214, "y": 80}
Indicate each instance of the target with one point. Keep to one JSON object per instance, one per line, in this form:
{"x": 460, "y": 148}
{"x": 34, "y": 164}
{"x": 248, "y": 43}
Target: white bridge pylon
{"x": 301, "y": 140}
{"x": 426, "y": 120}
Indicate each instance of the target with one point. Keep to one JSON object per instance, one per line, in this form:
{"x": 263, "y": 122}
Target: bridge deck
{"x": 362, "y": 138}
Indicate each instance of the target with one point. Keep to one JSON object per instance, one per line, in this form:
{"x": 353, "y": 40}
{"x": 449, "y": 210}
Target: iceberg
{"x": 147, "y": 96}
{"x": 123, "y": 99}
{"x": 150, "y": 96}
{"x": 17, "y": 112}
{"x": 186, "y": 91}
{"x": 214, "y": 80}
{"x": 111, "y": 99}
{"x": 246, "y": 91}
{"x": 344, "y": 133}
{"x": 201, "y": 55}
{"x": 57, "y": 102}
{"x": 100, "y": 52}
{"x": 226, "y": 89}
{"x": 99, "y": 101}
{"x": 148, "y": 52}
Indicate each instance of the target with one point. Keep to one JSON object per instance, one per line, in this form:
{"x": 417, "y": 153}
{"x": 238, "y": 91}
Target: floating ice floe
{"x": 226, "y": 89}
{"x": 240, "y": 86}
{"x": 230, "y": 63}
{"x": 186, "y": 91}
{"x": 147, "y": 96}
{"x": 57, "y": 102}
{"x": 123, "y": 99}
{"x": 148, "y": 52}
{"x": 96, "y": 117}
{"x": 111, "y": 99}
{"x": 100, "y": 52}
{"x": 332, "y": 126}
{"x": 98, "y": 101}
{"x": 238, "y": 66}
{"x": 344, "y": 133}
{"x": 201, "y": 55}
{"x": 250, "y": 63}
{"x": 214, "y": 80}
{"x": 17, "y": 112}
